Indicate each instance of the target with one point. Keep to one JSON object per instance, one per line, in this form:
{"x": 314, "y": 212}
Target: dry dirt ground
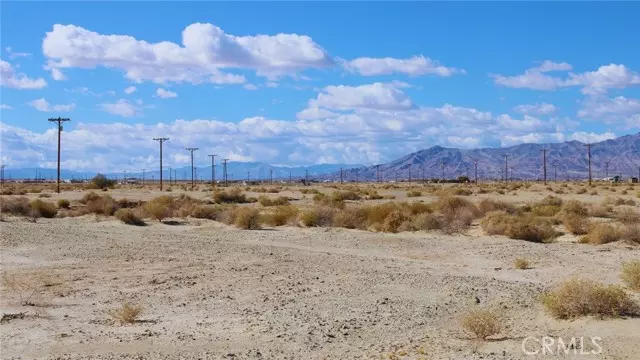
{"x": 210, "y": 291}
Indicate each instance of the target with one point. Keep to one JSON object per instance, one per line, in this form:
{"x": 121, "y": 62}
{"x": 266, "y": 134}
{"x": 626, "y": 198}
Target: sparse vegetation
{"x": 64, "y": 204}
{"x": 580, "y": 297}
{"x": 129, "y": 217}
{"x": 631, "y": 274}
{"x": 521, "y": 263}
{"x": 267, "y": 201}
{"x": 522, "y": 227}
{"x": 482, "y": 323}
{"x": 101, "y": 182}
{"x": 45, "y": 209}
{"x": 281, "y": 215}
{"x": 601, "y": 233}
{"x": 233, "y": 196}
{"x": 127, "y": 313}
{"x": 247, "y": 218}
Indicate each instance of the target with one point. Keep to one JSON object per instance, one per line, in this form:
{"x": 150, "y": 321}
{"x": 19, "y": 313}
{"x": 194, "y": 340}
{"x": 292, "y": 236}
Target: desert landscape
{"x": 328, "y": 271}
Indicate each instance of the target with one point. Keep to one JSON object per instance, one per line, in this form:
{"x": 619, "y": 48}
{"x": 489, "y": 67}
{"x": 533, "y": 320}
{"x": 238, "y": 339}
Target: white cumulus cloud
{"x": 43, "y": 105}
{"x": 381, "y": 96}
{"x": 11, "y": 79}
{"x": 123, "y": 108}
{"x": 540, "y": 109}
{"x": 130, "y": 90}
{"x": 165, "y": 94}
{"x": 414, "y": 66}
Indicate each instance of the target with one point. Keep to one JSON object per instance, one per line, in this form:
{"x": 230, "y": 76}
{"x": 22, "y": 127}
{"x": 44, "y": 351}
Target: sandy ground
{"x": 210, "y": 291}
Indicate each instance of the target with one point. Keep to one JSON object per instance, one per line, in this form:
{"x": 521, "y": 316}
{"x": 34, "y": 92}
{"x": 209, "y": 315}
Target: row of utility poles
{"x": 59, "y": 121}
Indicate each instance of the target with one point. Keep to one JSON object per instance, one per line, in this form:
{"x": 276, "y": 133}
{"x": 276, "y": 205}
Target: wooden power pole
{"x": 59, "y": 121}
{"x": 161, "y": 140}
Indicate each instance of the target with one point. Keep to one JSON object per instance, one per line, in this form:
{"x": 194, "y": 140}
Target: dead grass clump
{"x": 43, "y": 208}
{"x": 90, "y": 196}
{"x": 332, "y": 201}
{"x": 159, "y": 208}
{"x": 521, "y": 264}
{"x": 15, "y": 206}
{"x": 618, "y": 201}
{"x": 345, "y": 195}
{"x": 521, "y": 227}
{"x": 127, "y": 313}
{"x": 427, "y": 221}
{"x": 281, "y": 215}
{"x": 628, "y": 216}
{"x": 64, "y": 204}
{"x": 580, "y": 297}
{"x": 351, "y": 218}
{"x": 211, "y": 212}
{"x": 317, "y": 216}
{"x": 247, "y": 218}
{"x": 575, "y": 223}
{"x": 600, "y": 211}
{"x": 581, "y": 191}
{"x": 233, "y": 196}
{"x": 631, "y": 232}
{"x": 393, "y": 221}
{"x": 102, "y": 205}
{"x": 29, "y": 288}
{"x": 631, "y": 274}
{"x": 129, "y": 217}
{"x": 267, "y": 201}
{"x": 413, "y": 193}
{"x": 488, "y": 205}
{"x": 482, "y": 323}
{"x": 601, "y": 233}
{"x": 449, "y": 206}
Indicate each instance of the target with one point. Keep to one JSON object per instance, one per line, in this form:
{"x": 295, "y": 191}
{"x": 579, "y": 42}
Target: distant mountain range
{"x": 566, "y": 160}
{"x": 235, "y": 170}
{"x": 525, "y": 161}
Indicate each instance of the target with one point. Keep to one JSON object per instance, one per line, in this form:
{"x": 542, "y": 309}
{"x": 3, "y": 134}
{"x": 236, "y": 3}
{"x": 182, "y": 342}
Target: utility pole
{"x": 378, "y": 173}
{"x": 409, "y": 174}
{"x": 213, "y": 169}
{"x": 161, "y": 140}
{"x": 589, "y": 159}
{"x": 544, "y": 164}
{"x": 506, "y": 168}
{"x": 306, "y": 177}
{"x": 143, "y": 173}
{"x": 271, "y": 176}
{"x": 192, "y": 171}
{"x": 170, "y": 173}
{"x": 224, "y": 170}
{"x": 555, "y": 172}
{"x": 357, "y": 175}
{"x": 59, "y": 121}
{"x": 475, "y": 167}
{"x": 442, "y": 167}
{"x": 606, "y": 169}
{"x": 2, "y": 174}
{"x": 290, "y": 182}
{"x": 248, "y": 177}
{"x": 340, "y": 176}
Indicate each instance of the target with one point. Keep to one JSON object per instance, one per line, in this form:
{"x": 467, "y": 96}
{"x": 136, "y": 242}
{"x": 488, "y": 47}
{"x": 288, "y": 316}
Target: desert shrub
{"x": 344, "y": 195}
{"x": 631, "y": 232}
{"x": 393, "y": 221}
{"x": 427, "y": 221}
{"x": 482, "y": 323}
{"x": 211, "y": 212}
{"x": 420, "y": 208}
{"x": 102, "y": 205}
{"x": 90, "y": 196}
{"x": 600, "y": 210}
{"x": 521, "y": 263}
{"x": 317, "y": 216}
{"x": 43, "y": 208}
{"x": 247, "y": 218}
{"x": 281, "y": 215}
{"x": 377, "y": 214}
{"x": 129, "y": 217}
{"x": 233, "y": 196}
{"x": 29, "y": 288}
{"x": 581, "y": 191}
{"x": 449, "y": 206}
{"x": 64, "y": 204}
{"x": 159, "y": 208}
{"x": 332, "y": 201}
{"x": 575, "y": 224}
{"x": 618, "y": 201}
{"x": 126, "y": 203}
{"x": 580, "y": 297}
{"x": 127, "y": 313}
{"x": 521, "y": 227}
{"x": 488, "y": 205}
{"x": 574, "y": 207}
{"x": 601, "y": 233}
{"x": 413, "y": 193}
{"x": 628, "y": 216}
{"x": 44, "y": 195}
{"x": 267, "y": 201}
{"x": 101, "y": 182}
{"x": 15, "y": 206}
{"x": 631, "y": 274}
{"x": 351, "y": 218}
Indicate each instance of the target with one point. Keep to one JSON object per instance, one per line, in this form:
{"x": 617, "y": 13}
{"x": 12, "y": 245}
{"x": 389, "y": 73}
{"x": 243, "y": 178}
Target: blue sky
{"x": 306, "y": 83}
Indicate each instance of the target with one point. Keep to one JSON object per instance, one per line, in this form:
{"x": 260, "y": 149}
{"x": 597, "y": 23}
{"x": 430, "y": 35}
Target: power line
{"x": 589, "y": 159}
{"x": 506, "y": 168}
{"x": 161, "y": 140}
{"x": 192, "y": 170}
{"x": 544, "y": 164}
{"x": 59, "y": 121}
{"x": 224, "y": 171}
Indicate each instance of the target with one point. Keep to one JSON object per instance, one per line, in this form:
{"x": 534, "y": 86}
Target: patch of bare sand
{"x": 212, "y": 291}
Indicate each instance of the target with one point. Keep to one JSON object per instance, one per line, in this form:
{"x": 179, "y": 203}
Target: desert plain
{"x": 306, "y": 289}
